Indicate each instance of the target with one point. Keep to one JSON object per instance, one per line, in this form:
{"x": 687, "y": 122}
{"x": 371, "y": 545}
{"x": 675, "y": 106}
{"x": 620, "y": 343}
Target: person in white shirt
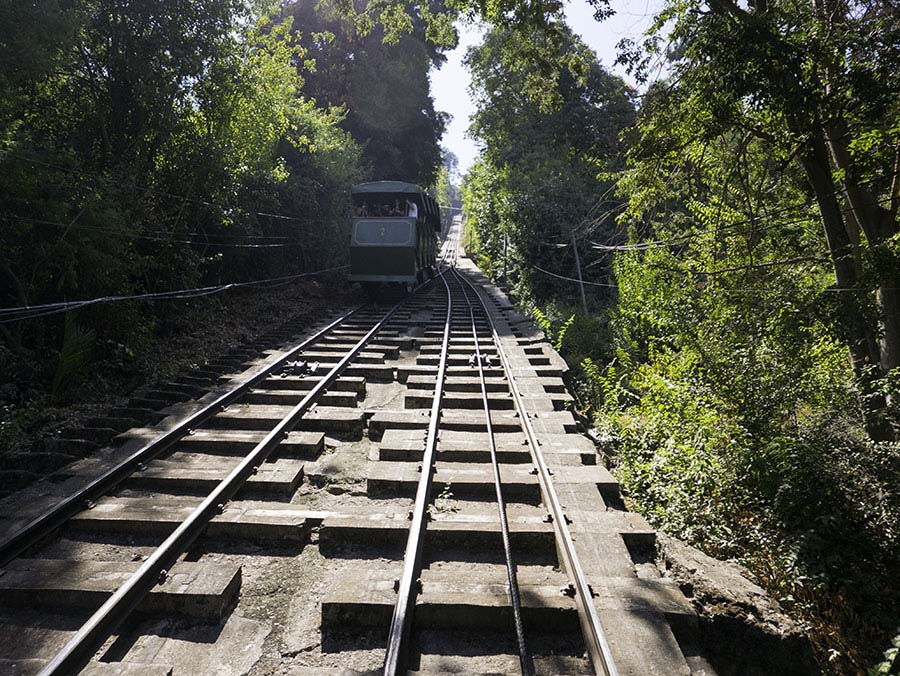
{"x": 412, "y": 210}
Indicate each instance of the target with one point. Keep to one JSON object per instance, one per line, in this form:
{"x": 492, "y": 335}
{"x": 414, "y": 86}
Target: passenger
{"x": 385, "y": 210}
{"x": 396, "y": 211}
{"x": 412, "y": 210}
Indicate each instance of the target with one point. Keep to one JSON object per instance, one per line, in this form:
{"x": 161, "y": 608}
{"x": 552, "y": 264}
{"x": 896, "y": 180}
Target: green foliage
{"x": 754, "y": 457}
{"x": 672, "y": 450}
{"x": 725, "y": 172}
{"x": 149, "y": 160}
{"x": 721, "y": 380}
{"x": 541, "y": 53}
{"x": 891, "y": 655}
{"x": 560, "y": 340}
{"x": 443, "y": 502}
{"x": 583, "y": 340}
{"x": 716, "y": 370}
{"x": 377, "y": 73}
{"x": 542, "y": 320}
{"x": 74, "y": 358}
{"x": 537, "y": 180}
{"x": 730, "y": 393}
{"x": 447, "y": 189}
{"x": 807, "y": 85}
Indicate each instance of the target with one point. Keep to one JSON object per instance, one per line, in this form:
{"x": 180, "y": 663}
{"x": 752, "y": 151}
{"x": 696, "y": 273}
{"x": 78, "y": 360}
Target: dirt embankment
{"x": 37, "y": 437}
{"x": 743, "y": 631}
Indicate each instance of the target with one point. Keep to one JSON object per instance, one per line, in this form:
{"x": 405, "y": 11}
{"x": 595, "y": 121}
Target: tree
{"x": 542, "y": 158}
{"x": 156, "y": 145}
{"x": 447, "y": 187}
{"x": 816, "y": 83}
{"x": 381, "y": 80}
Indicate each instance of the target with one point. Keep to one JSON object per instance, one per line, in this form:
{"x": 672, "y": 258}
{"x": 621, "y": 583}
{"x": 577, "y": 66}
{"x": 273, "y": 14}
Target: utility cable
{"x": 160, "y": 238}
{"x": 652, "y": 244}
{"x": 134, "y": 187}
{"x": 721, "y": 289}
{"x": 572, "y": 279}
{"x": 15, "y": 314}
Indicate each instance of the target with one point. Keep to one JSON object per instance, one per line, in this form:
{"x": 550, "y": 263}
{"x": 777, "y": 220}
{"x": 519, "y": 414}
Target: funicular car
{"x": 393, "y": 237}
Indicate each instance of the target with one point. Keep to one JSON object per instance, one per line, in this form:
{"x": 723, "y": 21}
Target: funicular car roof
{"x": 431, "y": 213}
{"x": 387, "y": 187}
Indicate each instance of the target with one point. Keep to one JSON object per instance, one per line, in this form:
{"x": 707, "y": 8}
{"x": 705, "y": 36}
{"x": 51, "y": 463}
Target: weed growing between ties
{"x": 443, "y": 503}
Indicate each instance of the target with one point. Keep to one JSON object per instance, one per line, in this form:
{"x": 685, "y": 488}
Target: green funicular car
{"x": 393, "y": 239}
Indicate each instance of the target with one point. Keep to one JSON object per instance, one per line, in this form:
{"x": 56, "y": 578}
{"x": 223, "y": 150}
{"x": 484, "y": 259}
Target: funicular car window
{"x": 386, "y": 233}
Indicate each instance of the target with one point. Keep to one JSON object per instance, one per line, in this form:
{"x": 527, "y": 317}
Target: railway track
{"x": 403, "y": 491}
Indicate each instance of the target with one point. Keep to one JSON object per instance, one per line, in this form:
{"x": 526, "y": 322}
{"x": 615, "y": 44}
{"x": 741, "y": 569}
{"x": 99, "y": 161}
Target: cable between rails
{"x": 525, "y": 661}
{"x": 397, "y": 651}
{"x": 595, "y": 638}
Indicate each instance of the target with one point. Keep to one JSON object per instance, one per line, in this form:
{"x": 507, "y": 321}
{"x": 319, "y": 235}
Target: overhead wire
{"x": 649, "y": 244}
{"x": 678, "y": 239}
{"x": 181, "y": 233}
{"x": 160, "y": 238}
{"x": 652, "y": 244}
{"x": 572, "y": 279}
{"x": 717, "y": 288}
{"x": 14, "y": 314}
{"x": 135, "y": 187}
{"x": 716, "y": 229}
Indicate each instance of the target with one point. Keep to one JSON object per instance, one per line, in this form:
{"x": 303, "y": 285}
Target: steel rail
{"x": 397, "y": 651}
{"x": 515, "y": 598}
{"x": 449, "y": 246}
{"x": 79, "y": 649}
{"x": 13, "y": 545}
{"x": 595, "y": 638}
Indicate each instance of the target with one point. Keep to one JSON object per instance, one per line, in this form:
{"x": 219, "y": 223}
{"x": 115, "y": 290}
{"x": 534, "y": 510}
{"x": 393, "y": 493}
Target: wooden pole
{"x": 505, "y": 243}
{"x": 578, "y": 268}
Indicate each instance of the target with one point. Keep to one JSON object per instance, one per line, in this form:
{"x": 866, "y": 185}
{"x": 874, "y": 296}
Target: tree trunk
{"x": 814, "y": 160}
{"x": 888, "y": 299}
{"x": 863, "y": 351}
{"x": 879, "y": 224}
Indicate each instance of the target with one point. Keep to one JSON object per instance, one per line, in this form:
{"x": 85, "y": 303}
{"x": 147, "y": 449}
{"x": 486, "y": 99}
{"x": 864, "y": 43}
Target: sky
{"x": 450, "y": 84}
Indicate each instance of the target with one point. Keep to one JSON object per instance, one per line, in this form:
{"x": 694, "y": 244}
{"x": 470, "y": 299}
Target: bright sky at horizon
{"x": 450, "y": 84}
